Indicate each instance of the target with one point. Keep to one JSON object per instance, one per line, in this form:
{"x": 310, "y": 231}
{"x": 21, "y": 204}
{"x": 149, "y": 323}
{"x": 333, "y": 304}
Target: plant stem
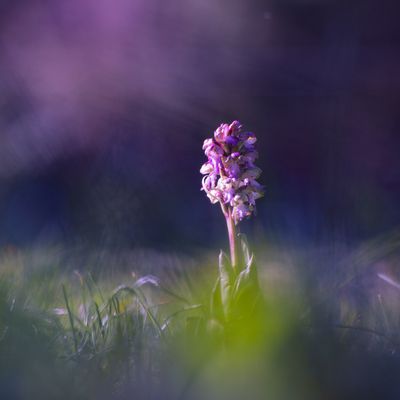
{"x": 232, "y": 237}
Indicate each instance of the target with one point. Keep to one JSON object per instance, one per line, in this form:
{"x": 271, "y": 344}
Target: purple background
{"x": 104, "y": 106}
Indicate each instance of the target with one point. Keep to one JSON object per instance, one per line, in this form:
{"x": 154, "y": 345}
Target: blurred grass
{"x": 111, "y": 331}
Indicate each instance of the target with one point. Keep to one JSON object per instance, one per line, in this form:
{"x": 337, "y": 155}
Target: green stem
{"x": 232, "y": 237}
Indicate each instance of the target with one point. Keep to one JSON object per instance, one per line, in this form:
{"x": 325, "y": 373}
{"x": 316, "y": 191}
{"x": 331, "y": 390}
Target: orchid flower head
{"x": 230, "y": 175}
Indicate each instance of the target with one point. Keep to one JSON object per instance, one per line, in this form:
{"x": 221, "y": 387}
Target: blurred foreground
{"x": 141, "y": 326}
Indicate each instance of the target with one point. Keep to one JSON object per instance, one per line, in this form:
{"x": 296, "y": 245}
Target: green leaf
{"x": 246, "y": 292}
{"x": 226, "y": 278}
{"x": 247, "y": 258}
{"x": 216, "y": 304}
{"x": 71, "y": 319}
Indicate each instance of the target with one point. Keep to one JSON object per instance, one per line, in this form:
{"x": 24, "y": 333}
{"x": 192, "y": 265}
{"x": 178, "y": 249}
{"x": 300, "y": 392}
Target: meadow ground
{"x": 139, "y": 324}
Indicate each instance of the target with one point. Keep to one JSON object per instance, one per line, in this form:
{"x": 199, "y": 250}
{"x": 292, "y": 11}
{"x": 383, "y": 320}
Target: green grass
{"x": 108, "y": 332}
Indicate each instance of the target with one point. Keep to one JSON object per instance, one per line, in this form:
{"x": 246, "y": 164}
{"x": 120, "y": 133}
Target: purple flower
{"x": 230, "y": 173}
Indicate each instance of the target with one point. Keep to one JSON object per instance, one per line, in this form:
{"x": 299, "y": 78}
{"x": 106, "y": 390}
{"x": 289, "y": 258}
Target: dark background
{"x": 104, "y": 106}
